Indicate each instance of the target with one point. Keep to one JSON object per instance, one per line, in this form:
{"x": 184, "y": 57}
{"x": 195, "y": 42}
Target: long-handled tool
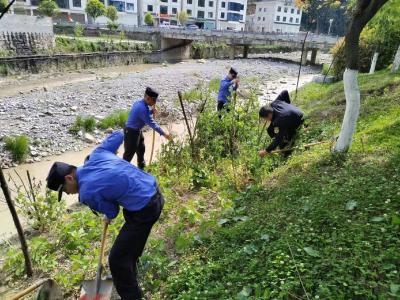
{"x": 49, "y": 290}
{"x": 98, "y": 289}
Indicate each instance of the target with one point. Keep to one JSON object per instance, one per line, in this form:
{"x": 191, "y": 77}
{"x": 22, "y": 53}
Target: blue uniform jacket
{"x": 225, "y": 90}
{"x": 141, "y": 115}
{"x": 106, "y": 181}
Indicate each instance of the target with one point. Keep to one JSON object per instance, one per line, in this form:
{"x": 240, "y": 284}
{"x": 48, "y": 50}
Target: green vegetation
{"x": 270, "y": 48}
{"x": 70, "y": 45}
{"x": 95, "y": 9}
{"x": 112, "y": 14}
{"x": 48, "y": 8}
{"x": 3, "y": 5}
{"x": 88, "y": 124}
{"x": 382, "y": 34}
{"x": 148, "y": 19}
{"x": 182, "y": 17}
{"x": 18, "y": 146}
{"x": 234, "y": 226}
{"x": 202, "y": 49}
{"x": 78, "y": 30}
{"x": 116, "y": 119}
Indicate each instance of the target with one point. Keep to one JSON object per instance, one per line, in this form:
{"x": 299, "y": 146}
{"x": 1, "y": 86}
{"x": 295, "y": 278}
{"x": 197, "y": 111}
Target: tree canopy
{"x": 182, "y": 17}
{"x": 48, "y": 8}
{"x": 148, "y": 19}
{"x": 95, "y": 9}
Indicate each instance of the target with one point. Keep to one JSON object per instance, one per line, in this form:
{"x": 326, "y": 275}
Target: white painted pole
{"x": 396, "y": 62}
{"x": 373, "y": 63}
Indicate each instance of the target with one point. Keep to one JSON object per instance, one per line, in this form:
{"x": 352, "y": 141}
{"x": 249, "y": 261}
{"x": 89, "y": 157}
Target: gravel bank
{"x": 46, "y": 115}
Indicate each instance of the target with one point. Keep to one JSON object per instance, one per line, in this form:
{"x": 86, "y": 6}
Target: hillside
{"x": 318, "y": 225}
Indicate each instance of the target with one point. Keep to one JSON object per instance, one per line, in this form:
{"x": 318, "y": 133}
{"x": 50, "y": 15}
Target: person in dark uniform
{"x": 139, "y": 116}
{"x": 229, "y": 84}
{"x": 285, "y": 120}
{"x": 105, "y": 183}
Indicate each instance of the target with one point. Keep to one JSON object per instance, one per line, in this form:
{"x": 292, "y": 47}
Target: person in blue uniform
{"x": 105, "y": 183}
{"x": 229, "y": 84}
{"x": 285, "y": 120}
{"x": 139, "y": 116}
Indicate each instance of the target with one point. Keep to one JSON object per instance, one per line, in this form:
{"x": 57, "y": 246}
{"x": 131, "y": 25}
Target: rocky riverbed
{"x": 45, "y": 115}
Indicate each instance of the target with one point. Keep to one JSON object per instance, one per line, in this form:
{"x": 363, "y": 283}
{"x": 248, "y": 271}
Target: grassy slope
{"x": 332, "y": 221}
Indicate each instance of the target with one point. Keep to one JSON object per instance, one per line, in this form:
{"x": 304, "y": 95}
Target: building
{"x": 74, "y": 11}
{"x": 276, "y": 16}
{"x": 207, "y": 14}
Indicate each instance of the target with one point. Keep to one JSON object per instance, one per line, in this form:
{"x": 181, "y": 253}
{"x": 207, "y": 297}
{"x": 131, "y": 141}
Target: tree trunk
{"x": 24, "y": 246}
{"x": 396, "y": 62}
{"x": 352, "y": 94}
{"x": 373, "y": 63}
{"x": 365, "y": 11}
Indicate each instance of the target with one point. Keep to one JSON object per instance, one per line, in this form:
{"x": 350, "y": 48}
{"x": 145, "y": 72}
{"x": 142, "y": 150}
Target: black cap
{"x": 151, "y": 93}
{"x": 56, "y": 178}
{"x": 233, "y": 72}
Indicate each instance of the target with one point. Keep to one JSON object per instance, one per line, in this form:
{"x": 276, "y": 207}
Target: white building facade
{"x": 207, "y": 14}
{"x": 74, "y": 11}
{"x": 276, "y": 16}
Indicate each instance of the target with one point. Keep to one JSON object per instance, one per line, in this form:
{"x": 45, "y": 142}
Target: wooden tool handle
{"x": 103, "y": 242}
{"x": 29, "y": 289}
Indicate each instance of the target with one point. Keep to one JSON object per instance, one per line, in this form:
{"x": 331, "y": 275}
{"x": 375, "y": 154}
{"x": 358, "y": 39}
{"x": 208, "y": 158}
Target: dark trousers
{"x": 222, "y": 106}
{"x": 129, "y": 245}
{"x": 134, "y": 143}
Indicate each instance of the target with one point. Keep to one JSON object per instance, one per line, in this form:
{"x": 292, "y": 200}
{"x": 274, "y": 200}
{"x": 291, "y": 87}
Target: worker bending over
{"x": 285, "y": 119}
{"x": 104, "y": 183}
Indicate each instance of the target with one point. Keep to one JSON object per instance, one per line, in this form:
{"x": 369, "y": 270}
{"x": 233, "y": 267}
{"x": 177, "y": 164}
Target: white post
{"x": 373, "y": 63}
{"x": 396, "y": 62}
{"x": 352, "y": 94}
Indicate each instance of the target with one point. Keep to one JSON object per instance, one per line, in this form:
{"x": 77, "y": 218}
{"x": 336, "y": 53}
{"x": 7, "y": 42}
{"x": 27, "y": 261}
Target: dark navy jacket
{"x": 106, "y": 181}
{"x": 286, "y": 119}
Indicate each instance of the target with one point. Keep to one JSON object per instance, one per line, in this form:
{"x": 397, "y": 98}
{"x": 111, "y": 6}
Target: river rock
{"x": 88, "y": 138}
{"x": 73, "y": 108}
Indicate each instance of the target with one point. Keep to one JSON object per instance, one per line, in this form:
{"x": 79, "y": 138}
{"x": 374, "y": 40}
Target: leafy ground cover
{"x": 234, "y": 226}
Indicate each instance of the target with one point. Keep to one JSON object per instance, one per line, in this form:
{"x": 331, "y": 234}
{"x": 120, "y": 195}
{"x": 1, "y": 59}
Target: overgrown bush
{"x": 88, "y": 124}
{"x": 18, "y": 146}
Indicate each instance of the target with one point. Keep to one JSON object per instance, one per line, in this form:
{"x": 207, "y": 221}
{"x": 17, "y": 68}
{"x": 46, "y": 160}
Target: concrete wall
{"x": 31, "y": 24}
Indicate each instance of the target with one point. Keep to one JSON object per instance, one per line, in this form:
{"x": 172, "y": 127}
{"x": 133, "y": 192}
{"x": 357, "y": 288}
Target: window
{"x": 235, "y": 6}
{"x": 201, "y": 3}
{"x": 297, "y": 20}
{"x": 77, "y": 3}
{"x": 210, "y": 15}
{"x": 292, "y": 11}
{"x": 189, "y": 1}
{"x": 130, "y": 6}
{"x": 278, "y": 18}
{"x": 279, "y": 8}
{"x": 119, "y": 5}
{"x": 189, "y": 12}
{"x": 260, "y": 9}
{"x": 265, "y": 9}
{"x": 285, "y": 9}
{"x": 163, "y": 10}
{"x": 259, "y": 19}
{"x": 62, "y": 3}
{"x": 222, "y": 15}
{"x": 149, "y": 7}
{"x": 223, "y": 4}
{"x": 284, "y": 19}
{"x": 175, "y": 1}
{"x": 166, "y": 1}
{"x": 174, "y": 10}
{"x": 298, "y": 11}
{"x": 211, "y": 3}
{"x": 200, "y": 14}
{"x": 234, "y": 17}
{"x": 263, "y": 18}
{"x": 291, "y": 20}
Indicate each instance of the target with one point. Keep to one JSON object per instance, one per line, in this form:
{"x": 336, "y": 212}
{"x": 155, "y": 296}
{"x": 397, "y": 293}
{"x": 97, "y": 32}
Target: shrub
{"x": 89, "y": 124}
{"x": 117, "y": 118}
{"x": 18, "y": 146}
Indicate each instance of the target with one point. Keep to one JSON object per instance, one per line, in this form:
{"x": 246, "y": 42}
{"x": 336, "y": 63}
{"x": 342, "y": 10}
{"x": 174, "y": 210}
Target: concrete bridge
{"x": 176, "y": 41}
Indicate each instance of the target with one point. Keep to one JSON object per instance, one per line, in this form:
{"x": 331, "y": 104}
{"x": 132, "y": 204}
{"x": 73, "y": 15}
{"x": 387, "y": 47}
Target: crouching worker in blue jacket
{"x": 104, "y": 183}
